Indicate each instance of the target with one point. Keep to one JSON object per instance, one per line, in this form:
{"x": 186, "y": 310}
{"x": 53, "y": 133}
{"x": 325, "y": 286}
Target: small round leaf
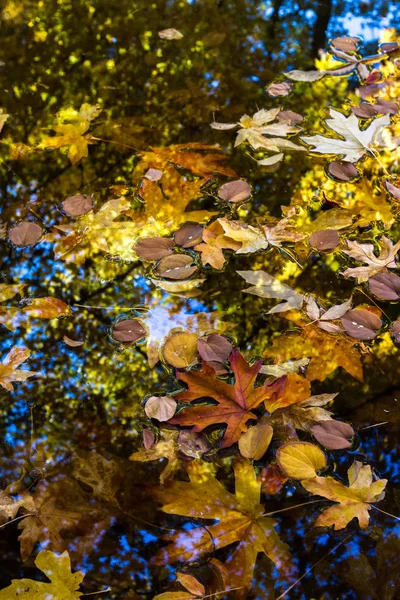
{"x": 128, "y": 331}
{"x": 301, "y": 460}
{"x": 161, "y": 408}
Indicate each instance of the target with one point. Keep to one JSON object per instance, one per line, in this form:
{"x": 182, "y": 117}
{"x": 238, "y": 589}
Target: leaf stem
{"x": 17, "y": 519}
{"x": 108, "y": 589}
{"x": 290, "y": 507}
{"x": 385, "y": 513}
{"x": 113, "y": 142}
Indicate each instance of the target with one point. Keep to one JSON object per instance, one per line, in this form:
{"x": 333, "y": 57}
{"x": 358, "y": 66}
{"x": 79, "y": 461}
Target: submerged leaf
{"x": 9, "y": 371}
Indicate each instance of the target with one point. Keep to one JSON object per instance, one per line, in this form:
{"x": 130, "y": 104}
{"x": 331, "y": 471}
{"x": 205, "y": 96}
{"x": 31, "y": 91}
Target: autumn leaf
{"x": 235, "y": 402}
{"x": 9, "y": 371}
{"x": 240, "y": 519}
{"x": 353, "y": 143}
{"x": 327, "y": 352}
{"x": 353, "y": 501}
{"x": 375, "y": 264}
{"x": 10, "y": 505}
{"x": 267, "y": 286}
{"x": 94, "y": 470}
{"x": 167, "y": 447}
{"x": 214, "y": 241}
{"x": 64, "y": 585}
{"x": 300, "y": 460}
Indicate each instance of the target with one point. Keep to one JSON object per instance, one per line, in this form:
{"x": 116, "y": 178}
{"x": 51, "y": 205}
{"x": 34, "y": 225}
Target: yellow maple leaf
{"x": 9, "y": 371}
{"x": 353, "y": 501}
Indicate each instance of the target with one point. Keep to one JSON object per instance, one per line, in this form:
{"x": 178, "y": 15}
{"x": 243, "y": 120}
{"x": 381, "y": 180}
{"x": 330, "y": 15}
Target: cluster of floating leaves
{"x": 221, "y": 403}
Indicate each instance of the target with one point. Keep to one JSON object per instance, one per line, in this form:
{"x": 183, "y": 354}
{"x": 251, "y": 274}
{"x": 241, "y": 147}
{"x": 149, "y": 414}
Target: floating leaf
{"x": 292, "y": 366}
{"x": 153, "y": 174}
{"x": 365, "y": 254}
{"x": 272, "y": 479}
{"x": 73, "y": 343}
{"x": 9, "y": 371}
{"x": 267, "y": 286}
{"x": 8, "y": 291}
{"x": 176, "y": 266}
{"x": 353, "y": 501}
{"x": 325, "y": 239}
{"x": 63, "y": 583}
{"x": 214, "y": 348}
{"x": 365, "y": 110}
{"x": 161, "y": 408}
{"x": 25, "y": 233}
{"x": 298, "y": 75}
{"x": 385, "y": 286}
{"x": 128, "y": 331}
{"x": 180, "y": 349}
{"x": 342, "y": 170}
{"x": 255, "y": 441}
{"x": 393, "y": 189}
{"x": 278, "y": 89}
{"x": 300, "y": 460}
{"x": 346, "y": 43}
{"x": 355, "y": 142}
{"x": 166, "y": 447}
{"x": 333, "y": 434}
{"x": 170, "y": 34}
{"x": 190, "y": 583}
{"x": 214, "y": 241}
{"x": 154, "y": 248}
{"x": 235, "y": 191}
{"x": 361, "y": 324}
{"x": 188, "y": 235}
{"x": 76, "y": 206}
{"x": 47, "y": 308}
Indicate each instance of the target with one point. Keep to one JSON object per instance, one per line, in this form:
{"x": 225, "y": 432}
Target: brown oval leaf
{"x": 385, "y": 286}
{"x": 191, "y": 584}
{"x": 161, "y": 408}
{"x": 148, "y": 438}
{"x": 334, "y": 435}
{"x": 346, "y": 43}
{"x": 180, "y": 349}
{"x": 386, "y": 107}
{"x": 290, "y": 116}
{"x": 189, "y": 235}
{"x": 389, "y": 46}
{"x": 326, "y": 239}
{"x": 342, "y": 170}
{"x": 193, "y": 444}
{"x": 47, "y": 308}
{"x": 75, "y": 206}
{"x": 214, "y": 348}
{"x": 361, "y": 324}
{"x": 254, "y": 443}
{"x": 281, "y": 88}
{"x": 128, "y": 331}
{"x": 235, "y": 191}
{"x": 365, "y": 110}
{"x": 154, "y": 248}
{"x": 72, "y": 343}
{"x": 25, "y": 233}
{"x": 176, "y": 266}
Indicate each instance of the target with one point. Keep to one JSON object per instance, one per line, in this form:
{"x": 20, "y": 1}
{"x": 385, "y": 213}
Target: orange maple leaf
{"x": 235, "y": 402}
{"x": 240, "y": 519}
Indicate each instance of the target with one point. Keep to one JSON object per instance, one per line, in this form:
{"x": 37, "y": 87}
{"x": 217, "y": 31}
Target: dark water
{"x": 66, "y": 435}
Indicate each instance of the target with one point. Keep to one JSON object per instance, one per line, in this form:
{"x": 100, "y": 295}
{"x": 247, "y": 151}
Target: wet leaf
{"x": 255, "y": 441}
{"x": 170, "y": 34}
{"x": 76, "y": 206}
{"x": 10, "y": 505}
{"x": 361, "y": 324}
{"x": 193, "y": 444}
{"x": 73, "y": 343}
{"x": 161, "y": 408}
{"x": 272, "y": 479}
{"x": 166, "y": 447}
{"x": 292, "y": 366}
{"x": 281, "y": 88}
{"x": 148, "y": 438}
{"x": 185, "y": 288}
{"x": 298, "y": 75}
{"x": 9, "y": 371}
{"x": 346, "y": 43}
{"x": 356, "y": 142}
{"x": 235, "y": 402}
{"x": 180, "y": 349}
{"x": 47, "y": 308}
{"x": 353, "y": 501}
{"x": 8, "y": 291}
{"x": 214, "y": 348}
{"x": 267, "y": 286}
{"x": 71, "y": 135}
{"x": 365, "y": 254}
{"x": 290, "y": 116}
{"x": 63, "y": 583}
{"x": 190, "y": 583}
{"x": 128, "y": 331}
{"x": 214, "y": 241}
{"x": 154, "y": 248}
{"x": 333, "y": 434}
{"x": 385, "y": 286}
{"x": 239, "y": 519}
{"x": 326, "y": 239}
{"x": 393, "y": 189}
{"x": 235, "y": 191}
{"x": 365, "y": 110}
{"x": 176, "y": 266}
{"x": 342, "y": 170}
{"x": 26, "y": 233}
{"x": 103, "y": 475}
{"x": 300, "y": 460}
{"x": 153, "y": 174}
{"x": 188, "y": 235}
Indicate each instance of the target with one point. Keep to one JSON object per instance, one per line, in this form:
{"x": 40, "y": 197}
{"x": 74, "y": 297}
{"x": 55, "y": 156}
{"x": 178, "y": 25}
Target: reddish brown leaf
{"x": 72, "y": 343}
{"x": 148, "y": 438}
{"x": 189, "y": 235}
{"x": 393, "y": 189}
{"x": 235, "y": 191}
{"x": 25, "y": 233}
{"x": 389, "y": 47}
{"x": 193, "y": 444}
{"x": 176, "y": 266}
{"x": 234, "y": 401}
{"x": 272, "y": 479}
{"x": 346, "y": 43}
{"x": 161, "y": 408}
{"x": 281, "y": 88}
{"x": 342, "y": 170}
{"x": 154, "y": 248}
{"x": 385, "y": 286}
{"x": 332, "y": 434}
{"x": 291, "y": 117}
{"x": 326, "y": 239}
{"x": 386, "y": 107}
{"x": 361, "y": 324}
{"x": 365, "y": 110}
{"x": 128, "y": 331}
{"x": 76, "y": 206}
{"x": 214, "y": 348}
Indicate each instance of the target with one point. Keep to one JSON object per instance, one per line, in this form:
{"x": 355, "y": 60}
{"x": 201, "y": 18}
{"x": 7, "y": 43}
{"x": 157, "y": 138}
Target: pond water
{"x": 107, "y": 144}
